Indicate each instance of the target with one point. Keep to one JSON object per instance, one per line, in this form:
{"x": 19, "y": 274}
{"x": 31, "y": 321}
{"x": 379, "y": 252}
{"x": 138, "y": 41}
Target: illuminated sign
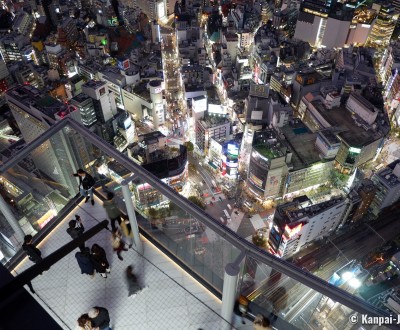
{"x": 355, "y": 150}
{"x": 293, "y": 231}
{"x": 259, "y": 90}
{"x": 233, "y": 150}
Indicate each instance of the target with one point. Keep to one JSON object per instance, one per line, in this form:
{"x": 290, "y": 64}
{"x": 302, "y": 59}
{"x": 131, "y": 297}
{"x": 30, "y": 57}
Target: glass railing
{"x": 38, "y": 188}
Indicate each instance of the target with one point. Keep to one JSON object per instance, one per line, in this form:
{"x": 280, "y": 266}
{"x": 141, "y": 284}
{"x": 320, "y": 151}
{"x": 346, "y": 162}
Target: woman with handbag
{"x": 117, "y": 243}
{"x": 99, "y": 260}
{"x": 127, "y": 231}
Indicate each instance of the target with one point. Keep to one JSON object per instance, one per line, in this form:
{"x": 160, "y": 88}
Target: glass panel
{"x": 288, "y": 303}
{"x": 40, "y": 187}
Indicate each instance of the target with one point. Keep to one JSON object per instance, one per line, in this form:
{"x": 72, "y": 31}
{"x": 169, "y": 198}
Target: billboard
{"x": 233, "y": 149}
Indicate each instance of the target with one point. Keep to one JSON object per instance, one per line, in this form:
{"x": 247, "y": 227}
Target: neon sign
{"x": 293, "y": 231}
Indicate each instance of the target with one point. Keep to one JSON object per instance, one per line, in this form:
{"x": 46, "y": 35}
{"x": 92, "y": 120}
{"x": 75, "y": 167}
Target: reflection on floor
{"x": 174, "y": 299}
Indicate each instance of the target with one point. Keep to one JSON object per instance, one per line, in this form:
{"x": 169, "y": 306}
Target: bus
{"x": 227, "y": 214}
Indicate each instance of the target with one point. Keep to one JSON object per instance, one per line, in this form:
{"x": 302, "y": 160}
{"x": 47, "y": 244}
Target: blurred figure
{"x": 127, "y": 231}
{"x": 261, "y": 323}
{"x": 117, "y": 243}
{"x": 133, "y": 286}
{"x": 112, "y": 210}
{"x": 100, "y": 318}
{"x": 33, "y": 252}
{"x": 99, "y": 260}
{"x": 85, "y": 262}
{"x": 84, "y": 322}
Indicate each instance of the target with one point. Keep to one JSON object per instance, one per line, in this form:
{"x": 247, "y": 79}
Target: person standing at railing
{"x": 86, "y": 183}
{"x": 113, "y": 212}
{"x": 32, "y": 251}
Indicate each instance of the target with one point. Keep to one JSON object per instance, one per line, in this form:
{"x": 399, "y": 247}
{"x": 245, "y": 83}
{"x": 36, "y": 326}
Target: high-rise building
{"x": 84, "y": 104}
{"x": 154, "y": 9}
{"x": 67, "y": 33}
{"x": 300, "y": 222}
{"x": 15, "y": 47}
{"x": 387, "y": 182}
{"x": 103, "y": 99}
{"x": 383, "y": 27}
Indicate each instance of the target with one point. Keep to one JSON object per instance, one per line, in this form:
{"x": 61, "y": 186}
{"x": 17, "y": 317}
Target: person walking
{"x": 117, "y": 243}
{"x": 33, "y": 252}
{"x": 100, "y": 318}
{"x": 127, "y": 231}
{"x": 84, "y": 322}
{"x": 112, "y": 210}
{"x": 133, "y": 286}
{"x": 86, "y": 183}
{"x": 76, "y": 229}
{"x": 85, "y": 262}
{"x": 99, "y": 260}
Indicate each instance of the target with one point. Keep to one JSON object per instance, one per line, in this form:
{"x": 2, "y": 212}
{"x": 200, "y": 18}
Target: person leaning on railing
{"x": 86, "y": 183}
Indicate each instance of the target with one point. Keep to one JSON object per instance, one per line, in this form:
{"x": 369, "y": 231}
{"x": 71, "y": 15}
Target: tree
{"x": 197, "y": 201}
{"x": 189, "y": 146}
{"x": 152, "y": 213}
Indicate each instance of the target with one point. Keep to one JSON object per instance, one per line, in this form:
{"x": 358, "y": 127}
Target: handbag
{"x": 116, "y": 242}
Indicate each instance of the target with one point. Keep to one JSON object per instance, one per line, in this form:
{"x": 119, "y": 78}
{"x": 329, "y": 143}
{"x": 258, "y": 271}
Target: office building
{"x": 268, "y": 164}
{"x": 84, "y": 104}
{"x": 211, "y": 126}
{"x": 383, "y": 27}
{"x": 387, "y": 182}
{"x": 300, "y": 222}
{"x": 154, "y": 9}
{"x": 103, "y": 99}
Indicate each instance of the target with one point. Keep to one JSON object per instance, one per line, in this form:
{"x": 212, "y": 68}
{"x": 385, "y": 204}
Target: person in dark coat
{"x": 100, "y": 318}
{"x": 33, "y": 252}
{"x": 99, "y": 260}
{"x": 133, "y": 286}
{"x": 85, "y": 262}
{"x": 86, "y": 183}
{"x": 76, "y": 229}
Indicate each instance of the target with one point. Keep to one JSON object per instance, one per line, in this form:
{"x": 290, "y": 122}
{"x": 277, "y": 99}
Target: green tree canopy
{"x": 198, "y": 201}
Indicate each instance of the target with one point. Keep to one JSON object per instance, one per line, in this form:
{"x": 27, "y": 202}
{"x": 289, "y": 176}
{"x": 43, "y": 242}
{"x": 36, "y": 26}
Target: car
{"x": 236, "y": 212}
{"x": 317, "y": 323}
{"x": 200, "y": 251}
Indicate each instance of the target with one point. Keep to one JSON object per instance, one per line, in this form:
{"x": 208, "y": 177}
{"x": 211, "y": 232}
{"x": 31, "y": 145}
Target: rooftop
{"x": 293, "y": 212}
{"x": 302, "y": 143}
{"x": 213, "y": 120}
{"x": 31, "y": 96}
{"x": 390, "y": 175}
{"x": 345, "y": 128}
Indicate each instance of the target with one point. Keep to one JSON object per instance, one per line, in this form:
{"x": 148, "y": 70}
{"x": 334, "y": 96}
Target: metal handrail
{"x": 240, "y": 243}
